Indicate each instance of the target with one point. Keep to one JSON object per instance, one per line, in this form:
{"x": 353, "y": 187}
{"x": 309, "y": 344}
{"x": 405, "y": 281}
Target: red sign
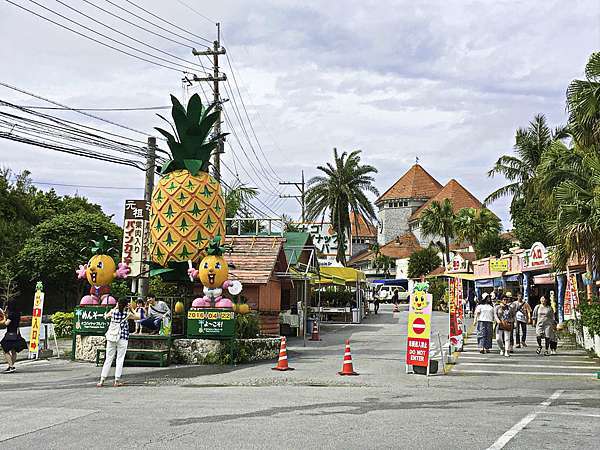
{"x": 417, "y": 352}
{"x": 419, "y": 325}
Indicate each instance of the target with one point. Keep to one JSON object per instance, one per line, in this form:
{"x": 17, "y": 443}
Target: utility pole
{"x": 148, "y": 188}
{"x": 215, "y": 78}
{"x": 301, "y": 198}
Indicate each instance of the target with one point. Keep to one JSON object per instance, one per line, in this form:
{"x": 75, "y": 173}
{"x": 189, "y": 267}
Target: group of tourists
{"x": 508, "y": 317}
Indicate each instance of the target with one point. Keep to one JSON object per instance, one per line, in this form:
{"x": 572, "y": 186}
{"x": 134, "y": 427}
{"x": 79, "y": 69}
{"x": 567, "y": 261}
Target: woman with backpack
{"x": 117, "y": 338}
{"x": 523, "y": 317}
{"x": 545, "y": 327}
{"x": 12, "y": 342}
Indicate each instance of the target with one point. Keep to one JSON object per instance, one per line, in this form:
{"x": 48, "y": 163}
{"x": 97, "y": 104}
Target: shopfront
{"x": 539, "y": 279}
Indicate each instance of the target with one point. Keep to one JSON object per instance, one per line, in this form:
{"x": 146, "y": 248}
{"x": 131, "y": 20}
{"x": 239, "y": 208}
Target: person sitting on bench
{"x": 157, "y": 310}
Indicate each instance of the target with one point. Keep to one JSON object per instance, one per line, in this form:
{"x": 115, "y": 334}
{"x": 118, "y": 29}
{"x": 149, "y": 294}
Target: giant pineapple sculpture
{"x": 188, "y": 208}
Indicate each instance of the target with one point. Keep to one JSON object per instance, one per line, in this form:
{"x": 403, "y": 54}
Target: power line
{"x": 196, "y": 11}
{"x": 58, "y": 108}
{"x": 84, "y": 186}
{"x": 158, "y": 26}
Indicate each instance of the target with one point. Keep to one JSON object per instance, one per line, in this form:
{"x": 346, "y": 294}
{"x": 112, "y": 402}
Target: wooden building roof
{"x": 255, "y": 258}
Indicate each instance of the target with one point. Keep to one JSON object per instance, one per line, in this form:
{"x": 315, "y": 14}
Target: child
{"x": 141, "y": 311}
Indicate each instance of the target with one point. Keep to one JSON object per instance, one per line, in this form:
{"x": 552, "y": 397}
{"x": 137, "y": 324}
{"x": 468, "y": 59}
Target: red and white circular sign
{"x": 418, "y": 325}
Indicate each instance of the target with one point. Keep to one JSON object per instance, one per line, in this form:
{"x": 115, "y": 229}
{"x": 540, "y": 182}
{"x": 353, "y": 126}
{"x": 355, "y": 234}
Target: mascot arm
{"x": 122, "y": 270}
{"x": 81, "y": 271}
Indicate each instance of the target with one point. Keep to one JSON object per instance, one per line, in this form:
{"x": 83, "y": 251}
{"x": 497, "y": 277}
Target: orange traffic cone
{"x": 315, "y": 332}
{"x": 282, "y": 363}
{"x": 347, "y": 368}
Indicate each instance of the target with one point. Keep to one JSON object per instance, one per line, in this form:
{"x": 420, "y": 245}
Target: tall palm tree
{"x": 472, "y": 224}
{"x": 519, "y": 170}
{"x": 439, "y": 220}
{"x": 341, "y": 190}
{"x": 583, "y": 105}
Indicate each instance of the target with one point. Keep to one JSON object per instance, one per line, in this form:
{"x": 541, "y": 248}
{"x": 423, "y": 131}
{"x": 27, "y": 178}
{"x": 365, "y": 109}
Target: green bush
{"x": 247, "y": 326}
{"x": 437, "y": 288}
{"x": 590, "y": 316}
{"x": 334, "y": 298}
{"x": 63, "y": 324}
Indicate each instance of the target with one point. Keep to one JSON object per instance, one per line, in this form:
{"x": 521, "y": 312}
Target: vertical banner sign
{"x": 574, "y": 293}
{"x": 36, "y": 324}
{"x": 568, "y": 303}
{"x": 456, "y": 312}
{"x": 135, "y": 237}
{"x": 419, "y": 329}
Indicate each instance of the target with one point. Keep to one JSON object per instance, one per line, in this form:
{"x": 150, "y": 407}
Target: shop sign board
{"x": 456, "y": 312}
{"x": 499, "y": 265}
{"x": 419, "y": 329}
{"x": 458, "y": 264}
{"x": 212, "y": 323}
{"x": 90, "y": 320}
{"x": 325, "y": 240}
{"x": 537, "y": 256}
{"x": 36, "y": 324}
{"x": 136, "y": 237}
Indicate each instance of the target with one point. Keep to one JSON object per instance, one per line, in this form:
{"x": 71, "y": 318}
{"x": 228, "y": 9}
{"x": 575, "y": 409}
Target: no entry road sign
{"x": 419, "y": 325}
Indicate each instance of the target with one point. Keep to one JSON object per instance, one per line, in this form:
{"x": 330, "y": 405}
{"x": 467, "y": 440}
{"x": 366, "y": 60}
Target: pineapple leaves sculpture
{"x": 187, "y": 208}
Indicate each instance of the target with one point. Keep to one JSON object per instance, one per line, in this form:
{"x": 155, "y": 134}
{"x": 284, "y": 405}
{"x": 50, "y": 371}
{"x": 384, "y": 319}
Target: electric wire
{"x": 196, "y": 11}
{"x": 58, "y": 108}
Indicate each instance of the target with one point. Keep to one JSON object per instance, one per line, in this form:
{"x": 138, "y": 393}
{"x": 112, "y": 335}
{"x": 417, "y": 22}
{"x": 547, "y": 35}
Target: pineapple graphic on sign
{"x": 188, "y": 208}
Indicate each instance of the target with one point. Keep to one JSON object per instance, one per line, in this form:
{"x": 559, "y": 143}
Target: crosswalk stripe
{"x": 513, "y": 372}
{"x": 519, "y": 358}
{"x": 508, "y": 364}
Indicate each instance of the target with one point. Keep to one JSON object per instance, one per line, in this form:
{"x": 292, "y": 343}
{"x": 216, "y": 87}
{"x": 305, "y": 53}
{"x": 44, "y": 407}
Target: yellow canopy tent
{"x": 344, "y": 274}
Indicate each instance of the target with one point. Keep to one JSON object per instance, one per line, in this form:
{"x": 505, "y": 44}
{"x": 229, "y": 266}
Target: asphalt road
{"x": 55, "y": 404}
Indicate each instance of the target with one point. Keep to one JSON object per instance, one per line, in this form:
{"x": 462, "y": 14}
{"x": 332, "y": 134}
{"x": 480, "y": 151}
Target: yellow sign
{"x": 36, "y": 324}
{"x": 499, "y": 265}
{"x": 210, "y": 315}
{"x": 419, "y": 325}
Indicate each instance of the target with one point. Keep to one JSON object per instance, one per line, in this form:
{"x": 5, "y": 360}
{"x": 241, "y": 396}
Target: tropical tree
{"x": 472, "y": 224}
{"x": 423, "y": 262}
{"x": 439, "y": 220}
{"x": 583, "y": 105}
{"x": 491, "y": 244}
{"x": 342, "y": 189}
{"x": 237, "y": 199}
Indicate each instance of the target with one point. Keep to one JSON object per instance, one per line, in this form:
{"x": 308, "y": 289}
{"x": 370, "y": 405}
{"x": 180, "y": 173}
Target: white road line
{"x": 570, "y": 414}
{"x": 514, "y": 372}
{"x": 508, "y": 364}
{"x": 518, "y": 358}
{"x": 506, "y": 437}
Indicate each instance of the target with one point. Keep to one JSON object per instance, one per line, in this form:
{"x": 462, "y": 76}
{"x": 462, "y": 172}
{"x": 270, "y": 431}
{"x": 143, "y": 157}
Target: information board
{"x": 419, "y": 329}
{"x": 210, "y": 323}
{"x": 90, "y": 320}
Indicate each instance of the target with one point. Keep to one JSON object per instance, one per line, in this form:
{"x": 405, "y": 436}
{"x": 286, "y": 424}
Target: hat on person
{"x": 508, "y": 294}
{"x": 485, "y": 295}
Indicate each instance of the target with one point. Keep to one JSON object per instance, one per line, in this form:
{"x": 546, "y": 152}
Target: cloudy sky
{"x": 447, "y": 81}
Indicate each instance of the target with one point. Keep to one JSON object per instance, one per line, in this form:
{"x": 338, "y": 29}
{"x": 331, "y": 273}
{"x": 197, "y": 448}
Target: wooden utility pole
{"x": 148, "y": 188}
{"x": 301, "y": 186}
{"x": 215, "y": 78}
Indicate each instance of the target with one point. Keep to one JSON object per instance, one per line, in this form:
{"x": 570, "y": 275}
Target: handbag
{"x": 113, "y": 334}
{"x": 505, "y": 325}
{"x": 20, "y": 342}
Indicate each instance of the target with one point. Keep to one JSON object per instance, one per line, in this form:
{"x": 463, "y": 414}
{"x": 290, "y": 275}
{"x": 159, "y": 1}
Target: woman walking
{"x": 484, "y": 318}
{"x": 545, "y": 327}
{"x": 523, "y": 317}
{"x": 117, "y": 338}
{"x": 505, "y": 319}
{"x": 12, "y": 342}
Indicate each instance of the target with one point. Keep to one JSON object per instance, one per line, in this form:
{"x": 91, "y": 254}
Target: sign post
{"x": 135, "y": 238}
{"x": 36, "y": 322}
{"x": 419, "y": 330}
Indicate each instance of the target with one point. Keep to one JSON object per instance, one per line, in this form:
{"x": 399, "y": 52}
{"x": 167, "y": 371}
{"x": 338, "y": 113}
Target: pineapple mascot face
{"x": 187, "y": 208}
{"x": 100, "y": 272}
{"x": 214, "y": 274}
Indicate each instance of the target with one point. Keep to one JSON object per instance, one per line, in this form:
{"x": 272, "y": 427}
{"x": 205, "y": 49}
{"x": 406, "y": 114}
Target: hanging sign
{"x": 456, "y": 312}
{"x": 36, "y": 322}
{"x": 499, "y": 265}
{"x": 568, "y": 303}
{"x": 135, "y": 237}
{"x": 419, "y": 329}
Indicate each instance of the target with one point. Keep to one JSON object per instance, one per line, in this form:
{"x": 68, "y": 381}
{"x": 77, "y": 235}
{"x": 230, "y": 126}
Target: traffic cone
{"x": 315, "y": 332}
{"x": 347, "y": 368}
{"x": 282, "y": 362}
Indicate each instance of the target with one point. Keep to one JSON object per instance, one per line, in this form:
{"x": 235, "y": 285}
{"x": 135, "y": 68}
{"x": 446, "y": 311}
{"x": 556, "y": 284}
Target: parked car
{"x": 385, "y": 293}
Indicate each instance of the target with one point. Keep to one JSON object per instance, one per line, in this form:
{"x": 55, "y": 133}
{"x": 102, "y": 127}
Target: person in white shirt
{"x": 484, "y": 318}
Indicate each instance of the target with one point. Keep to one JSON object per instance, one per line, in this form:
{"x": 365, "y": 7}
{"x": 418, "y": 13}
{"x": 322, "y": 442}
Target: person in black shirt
{"x": 12, "y": 342}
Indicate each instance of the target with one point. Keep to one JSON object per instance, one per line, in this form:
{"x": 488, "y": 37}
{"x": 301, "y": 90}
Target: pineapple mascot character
{"x": 100, "y": 272}
{"x": 214, "y": 275}
{"x": 187, "y": 208}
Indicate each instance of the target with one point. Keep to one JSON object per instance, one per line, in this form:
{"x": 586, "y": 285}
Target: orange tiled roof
{"x": 468, "y": 256}
{"x": 255, "y": 258}
{"x": 460, "y": 197}
{"x": 415, "y": 183}
{"x": 361, "y": 227}
{"x": 437, "y": 271}
{"x": 398, "y": 248}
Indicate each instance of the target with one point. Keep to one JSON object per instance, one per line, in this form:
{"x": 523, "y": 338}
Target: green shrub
{"x": 247, "y": 326}
{"x": 437, "y": 288}
{"x": 334, "y": 298}
{"x": 590, "y": 316}
{"x": 63, "y": 324}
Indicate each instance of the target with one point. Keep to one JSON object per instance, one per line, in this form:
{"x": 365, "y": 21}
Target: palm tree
{"x": 472, "y": 224}
{"x": 439, "y": 220}
{"x": 583, "y": 105}
{"x": 519, "y": 170}
{"x": 237, "y": 198}
{"x": 340, "y": 191}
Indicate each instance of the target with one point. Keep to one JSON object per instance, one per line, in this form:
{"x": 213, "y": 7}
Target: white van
{"x": 385, "y": 293}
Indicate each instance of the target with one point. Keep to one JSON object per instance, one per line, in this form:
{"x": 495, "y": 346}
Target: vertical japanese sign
{"x": 36, "y": 323}
{"x": 135, "y": 237}
{"x": 568, "y": 308}
{"x": 455, "y": 298}
{"x": 574, "y": 293}
{"x": 419, "y": 329}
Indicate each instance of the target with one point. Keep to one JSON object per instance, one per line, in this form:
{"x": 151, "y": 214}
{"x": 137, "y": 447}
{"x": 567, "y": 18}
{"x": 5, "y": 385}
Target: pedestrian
{"x": 484, "y": 318}
{"x": 376, "y": 304}
{"x": 157, "y": 311}
{"x": 117, "y": 338}
{"x": 523, "y": 317}
{"x": 12, "y": 342}
{"x": 141, "y": 310}
{"x": 505, "y": 318}
{"x": 545, "y": 327}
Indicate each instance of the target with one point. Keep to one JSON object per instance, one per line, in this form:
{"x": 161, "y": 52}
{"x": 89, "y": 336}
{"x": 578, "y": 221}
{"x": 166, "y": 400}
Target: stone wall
{"x": 186, "y": 351}
{"x": 395, "y": 220}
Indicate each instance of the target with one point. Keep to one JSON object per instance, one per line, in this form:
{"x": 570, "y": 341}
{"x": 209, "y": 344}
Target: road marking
{"x": 514, "y": 372}
{"x": 517, "y": 358}
{"x": 506, "y": 437}
{"x": 507, "y": 364}
{"x": 571, "y": 354}
{"x": 571, "y": 414}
